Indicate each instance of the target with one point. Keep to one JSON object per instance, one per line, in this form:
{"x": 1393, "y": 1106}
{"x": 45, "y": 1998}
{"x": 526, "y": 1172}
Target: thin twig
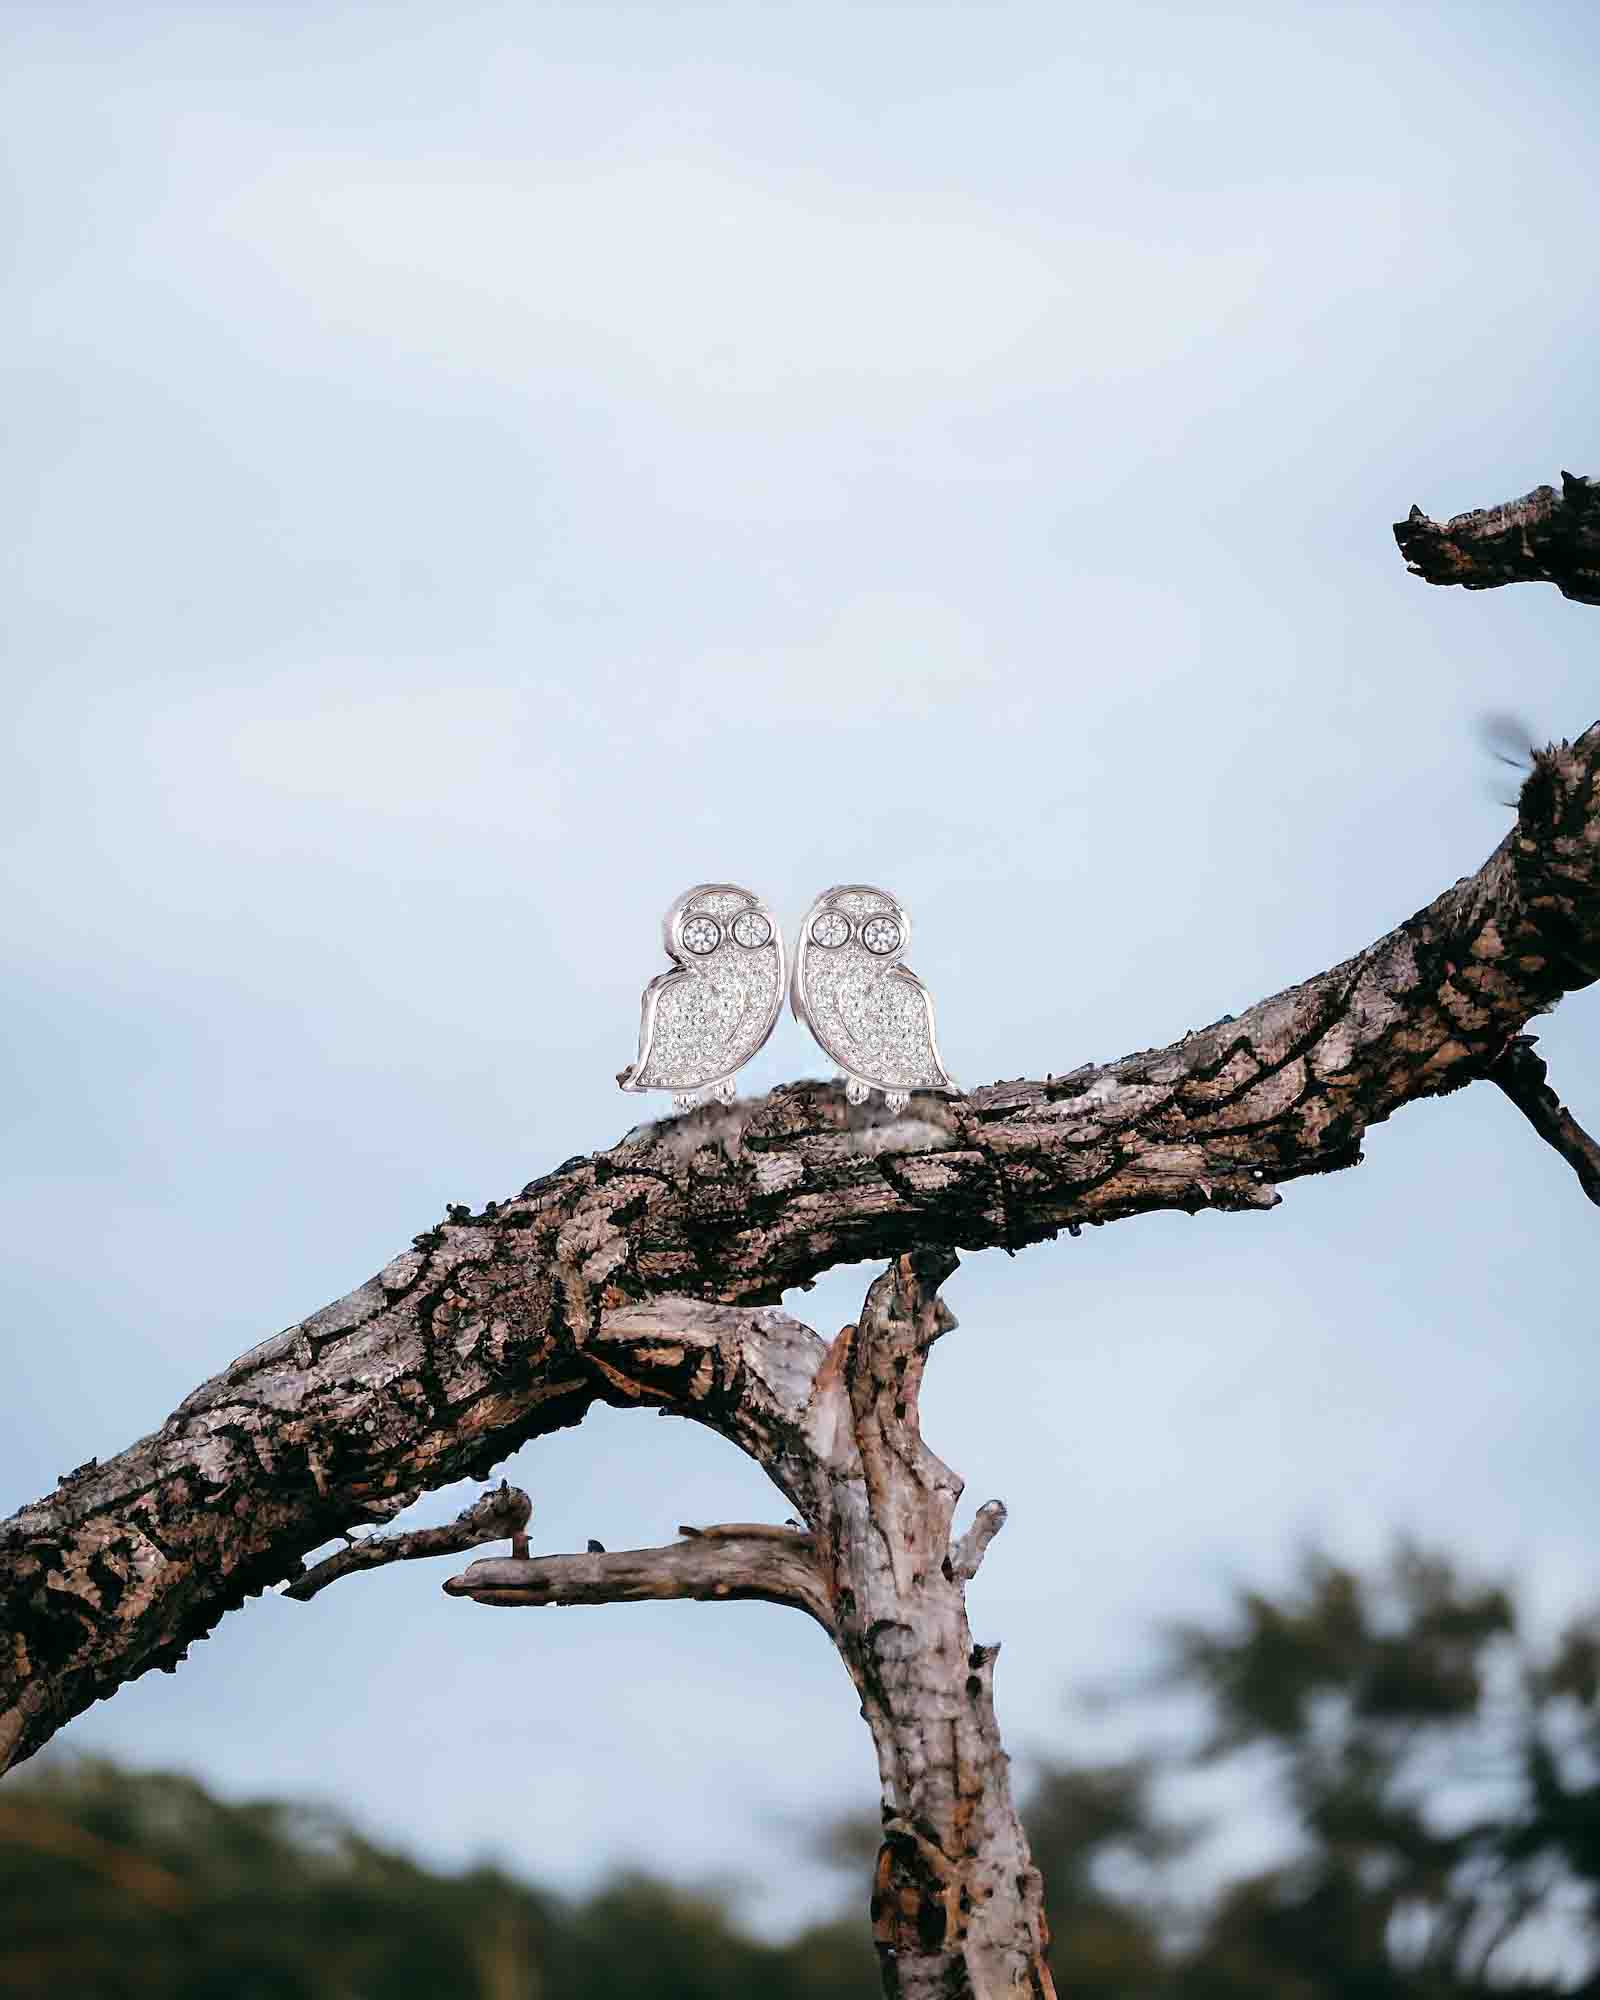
{"x": 1521, "y": 1074}
{"x": 491, "y": 1518}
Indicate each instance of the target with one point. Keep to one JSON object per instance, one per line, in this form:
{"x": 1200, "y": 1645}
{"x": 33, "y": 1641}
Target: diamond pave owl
{"x": 869, "y": 1011}
{"x": 700, "y": 1022}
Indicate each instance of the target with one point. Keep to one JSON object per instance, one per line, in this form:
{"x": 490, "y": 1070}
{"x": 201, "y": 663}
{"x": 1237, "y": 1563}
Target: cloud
{"x": 469, "y": 754}
{"x": 711, "y": 278}
{"x": 887, "y": 657}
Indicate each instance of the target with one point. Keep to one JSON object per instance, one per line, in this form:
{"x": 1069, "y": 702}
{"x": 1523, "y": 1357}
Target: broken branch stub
{"x": 711, "y": 1568}
{"x": 1546, "y": 536}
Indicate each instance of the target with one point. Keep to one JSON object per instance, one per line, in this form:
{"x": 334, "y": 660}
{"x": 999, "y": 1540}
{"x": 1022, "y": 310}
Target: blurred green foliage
{"x": 1435, "y": 1778}
{"x": 115, "y": 1883}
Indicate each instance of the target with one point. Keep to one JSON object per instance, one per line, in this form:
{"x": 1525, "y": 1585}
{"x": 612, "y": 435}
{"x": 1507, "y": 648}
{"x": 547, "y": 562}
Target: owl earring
{"x": 869, "y": 1011}
{"x": 699, "y": 1023}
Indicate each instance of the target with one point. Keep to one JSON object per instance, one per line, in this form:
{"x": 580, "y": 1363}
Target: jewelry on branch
{"x": 867, "y": 1009}
{"x": 699, "y": 1023}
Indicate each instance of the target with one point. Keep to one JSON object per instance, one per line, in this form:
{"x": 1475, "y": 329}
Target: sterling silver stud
{"x": 701, "y": 1022}
{"x": 867, "y": 1009}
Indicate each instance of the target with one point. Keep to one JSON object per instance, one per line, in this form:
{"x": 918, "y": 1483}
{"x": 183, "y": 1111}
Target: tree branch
{"x": 969, "y": 1552}
{"x": 649, "y": 1272}
{"x": 957, "y": 1903}
{"x": 492, "y": 1517}
{"x": 777, "y": 1566}
{"x": 1545, "y": 537}
{"x": 1521, "y": 1074}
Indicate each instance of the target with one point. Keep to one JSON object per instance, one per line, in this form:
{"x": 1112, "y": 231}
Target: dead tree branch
{"x": 958, "y": 1904}
{"x": 493, "y": 1517}
{"x": 505, "y": 1324}
{"x": 1521, "y": 1074}
{"x": 967, "y": 1554}
{"x": 1545, "y": 537}
{"x": 709, "y": 1567}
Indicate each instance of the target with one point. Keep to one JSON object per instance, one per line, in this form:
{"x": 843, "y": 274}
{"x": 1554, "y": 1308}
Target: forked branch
{"x": 495, "y": 1516}
{"x": 957, "y": 1906}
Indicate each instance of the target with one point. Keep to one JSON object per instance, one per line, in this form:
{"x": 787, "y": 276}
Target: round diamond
{"x": 830, "y": 929}
{"x": 701, "y": 934}
{"x": 880, "y": 935}
{"x": 750, "y": 929}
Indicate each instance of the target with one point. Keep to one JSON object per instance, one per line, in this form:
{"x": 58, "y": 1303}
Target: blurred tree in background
{"x": 1440, "y": 1770}
{"x": 115, "y": 1883}
{"x": 1438, "y": 1773}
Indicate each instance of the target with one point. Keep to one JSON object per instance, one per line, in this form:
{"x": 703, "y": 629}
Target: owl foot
{"x": 857, "y": 1092}
{"x": 710, "y": 1093}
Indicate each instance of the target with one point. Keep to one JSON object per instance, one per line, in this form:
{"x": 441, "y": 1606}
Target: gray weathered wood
{"x": 494, "y": 1516}
{"x": 967, "y": 1555}
{"x": 711, "y": 1568}
{"x": 957, "y": 1905}
{"x": 1522, "y": 1075}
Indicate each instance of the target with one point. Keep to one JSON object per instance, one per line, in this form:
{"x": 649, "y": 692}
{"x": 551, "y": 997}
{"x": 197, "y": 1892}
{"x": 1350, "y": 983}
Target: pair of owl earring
{"x": 701, "y": 1022}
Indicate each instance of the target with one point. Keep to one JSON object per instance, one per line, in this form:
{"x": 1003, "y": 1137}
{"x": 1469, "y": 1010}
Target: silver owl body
{"x": 869, "y": 1011}
{"x": 700, "y": 1022}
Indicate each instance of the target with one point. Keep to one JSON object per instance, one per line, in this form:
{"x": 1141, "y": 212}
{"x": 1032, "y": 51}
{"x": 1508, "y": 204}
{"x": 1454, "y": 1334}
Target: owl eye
{"x": 830, "y": 929}
{"x": 880, "y": 935}
{"x": 701, "y": 934}
{"x": 751, "y": 929}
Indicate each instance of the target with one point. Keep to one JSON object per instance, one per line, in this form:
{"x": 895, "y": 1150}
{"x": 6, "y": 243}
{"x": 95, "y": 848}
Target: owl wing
{"x": 639, "y": 1075}
{"x": 875, "y": 1020}
{"x": 696, "y": 1027}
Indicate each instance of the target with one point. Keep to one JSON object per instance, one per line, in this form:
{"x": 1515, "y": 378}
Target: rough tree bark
{"x": 651, "y": 1272}
{"x": 1545, "y": 537}
{"x": 1521, "y": 1074}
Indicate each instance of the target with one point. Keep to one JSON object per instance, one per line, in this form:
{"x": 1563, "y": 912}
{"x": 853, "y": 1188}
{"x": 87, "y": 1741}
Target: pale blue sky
{"x": 476, "y": 470}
